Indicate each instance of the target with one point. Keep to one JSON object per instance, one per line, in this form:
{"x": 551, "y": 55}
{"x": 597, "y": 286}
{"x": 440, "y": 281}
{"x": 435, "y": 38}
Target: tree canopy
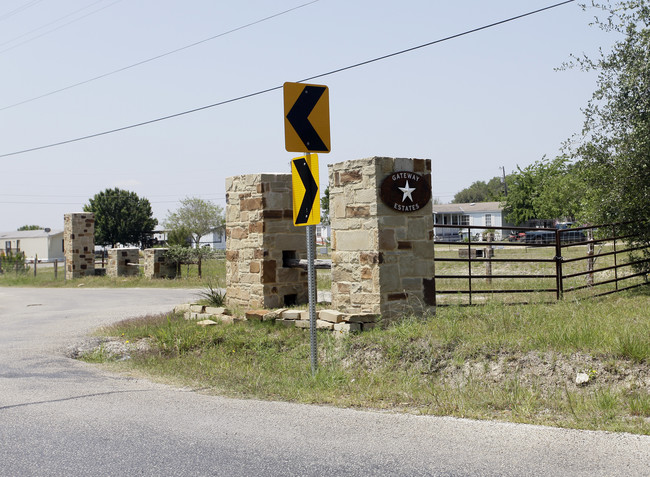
{"x": 481, "y": 191}
{"x": 197, "y": 216}
{"x": 30, "y": 227}
{"x": 546, "y": 189}
{"x": 121, "y": 217}
{"x": 613, "y": 153}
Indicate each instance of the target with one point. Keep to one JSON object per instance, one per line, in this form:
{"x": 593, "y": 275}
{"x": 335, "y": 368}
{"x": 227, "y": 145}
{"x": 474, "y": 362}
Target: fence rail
{"x": 545, "y": 264}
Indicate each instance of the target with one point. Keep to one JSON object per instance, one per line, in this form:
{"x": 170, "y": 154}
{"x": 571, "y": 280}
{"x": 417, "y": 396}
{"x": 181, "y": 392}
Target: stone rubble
{"x": 331, "y": 320}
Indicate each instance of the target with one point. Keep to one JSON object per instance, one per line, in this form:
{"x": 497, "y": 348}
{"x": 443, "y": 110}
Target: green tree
{"x": 546, "y": 189}
{"x": 481, "y": 191}
{"x": 121, "y": 217}
{"x": 325, "y": 207}
{"x": 30, "y": 227}
{"x": 197, "y": 216}
{"x": 614, "y": 151}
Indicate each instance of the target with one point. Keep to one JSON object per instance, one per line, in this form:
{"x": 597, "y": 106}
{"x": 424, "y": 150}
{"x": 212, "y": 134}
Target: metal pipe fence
{"x": 544, "y": 264}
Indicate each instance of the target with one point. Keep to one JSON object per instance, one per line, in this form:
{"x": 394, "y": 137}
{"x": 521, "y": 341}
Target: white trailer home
{"x": 47, "y": 244}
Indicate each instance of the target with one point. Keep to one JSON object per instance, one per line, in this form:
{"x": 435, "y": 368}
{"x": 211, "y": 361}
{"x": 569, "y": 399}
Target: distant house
{"x": 483, "y": 215}
{"x": 216, "y": 239}
{"x": 47, "y": 244}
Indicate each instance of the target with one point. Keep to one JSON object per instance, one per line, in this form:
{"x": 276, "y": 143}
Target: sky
{"x": 473, "y": 104}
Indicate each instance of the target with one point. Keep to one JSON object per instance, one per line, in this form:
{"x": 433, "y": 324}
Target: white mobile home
{"x": 482, "y": 215}
{"x": 47, "y": 244}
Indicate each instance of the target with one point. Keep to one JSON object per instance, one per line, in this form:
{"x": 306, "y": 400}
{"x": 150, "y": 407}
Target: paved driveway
{"x": 63, "y": 417}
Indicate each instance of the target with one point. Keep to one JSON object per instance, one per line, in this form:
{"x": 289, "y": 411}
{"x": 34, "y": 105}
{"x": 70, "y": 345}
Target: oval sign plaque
{"x": 405, "y": 191}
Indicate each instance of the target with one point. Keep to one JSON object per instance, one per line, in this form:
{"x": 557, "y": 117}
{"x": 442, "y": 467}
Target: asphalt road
{"x": 63, "y": 417}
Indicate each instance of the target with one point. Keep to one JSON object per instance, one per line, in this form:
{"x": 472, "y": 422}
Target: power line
{"x": 275, "y": 88}
{"x": 16, "y": 11}
{"x": 59, "y": 27}
{"x": 50, "y": 23}
{"x": 157, "y": 57}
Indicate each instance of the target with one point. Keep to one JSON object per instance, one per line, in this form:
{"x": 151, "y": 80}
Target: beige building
{"x": 47, "y": 244}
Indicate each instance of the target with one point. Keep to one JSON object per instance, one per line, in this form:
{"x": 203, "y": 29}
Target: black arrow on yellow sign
{"x": 311, "y": 191}
{"x": 306, "y": 117}
{"x": 299, "y": 118}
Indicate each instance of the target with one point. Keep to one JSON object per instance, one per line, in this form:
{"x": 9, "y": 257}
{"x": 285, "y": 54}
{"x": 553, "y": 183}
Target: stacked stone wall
{"x": 79, "y": 244}
{"x": 382, "y": 259}
{"x": 156, "y": 265}
{"x": 260, "y": 235}
{"x": 123, "y": 262}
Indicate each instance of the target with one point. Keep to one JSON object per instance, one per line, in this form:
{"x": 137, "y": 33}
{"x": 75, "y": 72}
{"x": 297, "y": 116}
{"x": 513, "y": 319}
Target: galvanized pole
{"x": 311, "y": 278}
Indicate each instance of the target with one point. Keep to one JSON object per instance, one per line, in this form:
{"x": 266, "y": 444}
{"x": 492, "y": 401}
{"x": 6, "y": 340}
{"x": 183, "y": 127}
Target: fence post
{"x": 558, "y": 266}
{"x": 56, "y": 268}
{"x": 590, "y": 260}
{"x": 35, "y": 263}
{"x": 488, "y": 256}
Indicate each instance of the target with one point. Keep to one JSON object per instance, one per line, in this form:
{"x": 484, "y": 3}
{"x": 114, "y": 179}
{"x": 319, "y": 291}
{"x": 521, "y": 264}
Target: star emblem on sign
{"x": 407, "y": 190}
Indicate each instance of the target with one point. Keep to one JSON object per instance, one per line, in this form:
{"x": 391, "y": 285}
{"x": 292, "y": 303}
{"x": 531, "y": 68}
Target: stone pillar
{"x": 123, "y": 262}
{"x": 382, "y": 236}
{"x": 156, "y": 266}
{"x": 260, "y": 236}
{"x": 79, "y": 244}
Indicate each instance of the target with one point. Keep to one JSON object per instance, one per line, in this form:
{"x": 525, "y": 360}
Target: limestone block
{"x": 360, "y": 318}
{"x": 347, "y": 327}
{"x": 332, "y": 316}
{"x": 197, "y": 308}
{"x": 215, "y": 310}
{"x": 205, "y": 323}
{"x": 292, "y": 314}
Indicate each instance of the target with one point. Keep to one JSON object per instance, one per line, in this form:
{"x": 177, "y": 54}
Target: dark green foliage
{"x": 480, "y": 191}
{"x": 121, "y": 217}
{"x": 30, "y": 227}
{"x": 614, "y": 153}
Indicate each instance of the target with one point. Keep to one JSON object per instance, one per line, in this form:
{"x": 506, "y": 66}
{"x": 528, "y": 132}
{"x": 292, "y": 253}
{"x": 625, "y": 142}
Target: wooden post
{"x": 56, "y": 268}
{"x": 35, "y": 263}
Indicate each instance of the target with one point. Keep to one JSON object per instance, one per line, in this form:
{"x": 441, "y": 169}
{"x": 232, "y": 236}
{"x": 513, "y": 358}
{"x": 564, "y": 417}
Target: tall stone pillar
{"x": 79, "y": 244}
{"x": 382, "y": 236}
{"x": 260, "y": 237}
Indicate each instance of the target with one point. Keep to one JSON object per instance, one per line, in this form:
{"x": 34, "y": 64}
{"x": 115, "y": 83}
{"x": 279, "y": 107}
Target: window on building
{"x": 454, "y": 220}
{"x": 17, "y": 246}
{"x": 488, "y": 220}
{"x": 8, "y": 245}
{"x": 464, "y": 220}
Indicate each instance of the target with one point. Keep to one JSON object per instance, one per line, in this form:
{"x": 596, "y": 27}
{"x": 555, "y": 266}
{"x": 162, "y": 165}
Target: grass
{"x": 513, "y": 363}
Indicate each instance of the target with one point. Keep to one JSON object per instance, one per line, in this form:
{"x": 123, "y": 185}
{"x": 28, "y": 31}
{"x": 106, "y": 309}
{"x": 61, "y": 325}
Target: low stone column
{"x": 79, "y": 244}
{"x": 156, "y": 265}
{"x": 260, "y": 237}
{"x": 123, "y": 262}
{"x": 382, "y": 236}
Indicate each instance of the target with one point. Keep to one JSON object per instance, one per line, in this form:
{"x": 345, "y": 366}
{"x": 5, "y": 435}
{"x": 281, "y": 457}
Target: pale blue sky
{"x": 471, "y": 105}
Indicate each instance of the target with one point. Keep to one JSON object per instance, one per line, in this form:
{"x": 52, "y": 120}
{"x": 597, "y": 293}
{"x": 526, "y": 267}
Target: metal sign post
{"x": 311, "y": 279}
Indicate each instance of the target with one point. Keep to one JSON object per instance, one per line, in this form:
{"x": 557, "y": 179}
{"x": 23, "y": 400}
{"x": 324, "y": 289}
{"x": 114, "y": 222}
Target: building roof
{"x": 24, "y": 234}
{"x": 474, "y": 207}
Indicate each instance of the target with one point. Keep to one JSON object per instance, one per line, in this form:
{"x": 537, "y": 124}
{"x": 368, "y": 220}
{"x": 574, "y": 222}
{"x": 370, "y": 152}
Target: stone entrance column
{"x": 260, "y": 237}
{"x": 382, "y": 236}
{"x": 79, "y": 244}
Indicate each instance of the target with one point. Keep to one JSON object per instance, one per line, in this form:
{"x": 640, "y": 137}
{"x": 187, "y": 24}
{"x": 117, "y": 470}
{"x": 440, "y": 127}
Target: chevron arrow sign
{"x": 306, "y": 118}
{"x": 306, "y": 197}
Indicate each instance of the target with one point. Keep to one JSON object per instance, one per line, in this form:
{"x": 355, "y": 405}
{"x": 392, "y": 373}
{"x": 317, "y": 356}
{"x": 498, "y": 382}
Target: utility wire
{"x": 50, "y": 23}
{"x": 158, "y": 56}
{"x": 59, "y": 27}
{"x": 15, "y": 11}
{"x": 275, "y": 88}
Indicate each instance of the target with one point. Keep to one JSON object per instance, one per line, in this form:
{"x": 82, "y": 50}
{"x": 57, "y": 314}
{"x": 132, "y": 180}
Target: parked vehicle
{"x": 516, "y": 236}
{"x": 548, "y": 236}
